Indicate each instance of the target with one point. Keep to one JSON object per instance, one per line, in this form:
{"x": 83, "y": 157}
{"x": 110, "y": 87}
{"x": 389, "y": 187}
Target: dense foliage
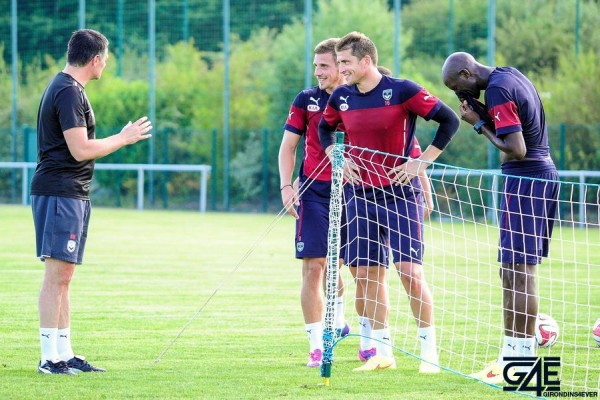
{"x": 267, "y": 69}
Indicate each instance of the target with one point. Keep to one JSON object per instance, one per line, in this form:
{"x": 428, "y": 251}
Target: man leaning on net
{"x": 379, "y": 113}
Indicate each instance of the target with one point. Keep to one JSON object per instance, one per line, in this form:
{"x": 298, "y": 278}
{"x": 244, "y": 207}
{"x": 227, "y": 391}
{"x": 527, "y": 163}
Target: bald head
{"x": 461, "y": 72}
{"x": 457, "y": 62}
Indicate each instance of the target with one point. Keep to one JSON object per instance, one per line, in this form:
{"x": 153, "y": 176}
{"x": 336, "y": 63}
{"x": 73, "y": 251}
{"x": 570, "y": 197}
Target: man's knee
{"x": 59, "y": 272}
{"x": 410, "y": 274}
{"x": 314, "y": 268}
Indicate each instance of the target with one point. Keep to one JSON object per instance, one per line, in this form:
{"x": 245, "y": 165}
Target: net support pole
{"x": 333, "y": 254}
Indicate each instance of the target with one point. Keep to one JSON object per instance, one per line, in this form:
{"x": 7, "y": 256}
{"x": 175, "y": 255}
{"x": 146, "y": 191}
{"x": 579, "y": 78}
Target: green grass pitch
{"x": 145, "y": 274}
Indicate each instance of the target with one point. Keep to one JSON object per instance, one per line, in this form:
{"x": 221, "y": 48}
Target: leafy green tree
{"x": 568, "y": 95}
{"x": 5, "y": 91}
{"x": 186, "y": 89}
{"x": 267, "y": 69}
{"x": 50, "y": 23}
{"x": 334, "y": 18}
{"x": 246, "y": 168}
{"x": 536, "y": 44}
{"x": 436, "y": 34}
{"x": 569, "y": 100}
{"x": 533, "y": 44}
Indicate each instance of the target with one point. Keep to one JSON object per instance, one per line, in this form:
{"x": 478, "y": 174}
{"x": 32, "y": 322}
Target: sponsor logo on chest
{"x": 314, "y": 107}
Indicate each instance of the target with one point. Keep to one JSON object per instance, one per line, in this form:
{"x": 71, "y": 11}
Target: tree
{"x": 437, "y": 35}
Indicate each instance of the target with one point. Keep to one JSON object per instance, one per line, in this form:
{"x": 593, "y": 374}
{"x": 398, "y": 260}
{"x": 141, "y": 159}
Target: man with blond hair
{"x": 314, "y": 186}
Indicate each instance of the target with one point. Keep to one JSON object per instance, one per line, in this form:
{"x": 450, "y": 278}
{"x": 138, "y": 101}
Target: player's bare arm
{"x": 511, "y": 145}
{"x": 427, "y": 194}
{"x": 449, "y": 123}
{"x": 82, "y": 148}
{"x": 287, "y": 162}
{"x": 403, "y": 174}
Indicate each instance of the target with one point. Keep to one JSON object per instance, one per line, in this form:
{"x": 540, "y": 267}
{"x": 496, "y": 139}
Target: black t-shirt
{"x": 64, "y": 106}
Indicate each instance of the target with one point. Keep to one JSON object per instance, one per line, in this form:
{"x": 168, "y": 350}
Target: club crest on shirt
{"x": 387, "y": 94}
{"x": 344, "y": 106}
{"x": 71, "y": 245}
{"x": 299, "y": 247}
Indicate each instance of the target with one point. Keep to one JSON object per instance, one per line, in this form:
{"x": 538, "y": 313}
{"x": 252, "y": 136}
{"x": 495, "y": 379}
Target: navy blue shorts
{"x": 384, "y": 219}
{"x": 527, "y": 213}
{"x": 312, "y": 228}
{"x": 61, "y": 226}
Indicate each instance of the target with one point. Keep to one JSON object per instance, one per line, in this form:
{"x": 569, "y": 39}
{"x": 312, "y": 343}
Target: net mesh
{"x": 461, "y": 268}
{"x": 333, "y": 251}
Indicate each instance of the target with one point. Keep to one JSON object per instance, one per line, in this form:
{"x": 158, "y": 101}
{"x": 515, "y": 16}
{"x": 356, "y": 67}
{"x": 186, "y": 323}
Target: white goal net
{"x": 460, "y": 265}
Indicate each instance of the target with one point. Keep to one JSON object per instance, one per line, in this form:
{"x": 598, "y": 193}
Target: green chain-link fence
{"x": 218, "y": 89}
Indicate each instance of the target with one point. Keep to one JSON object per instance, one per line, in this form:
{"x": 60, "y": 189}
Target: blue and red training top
{"x": 303, "y": 119}
{"x": 383, "y": 119}
{"x": 514, "y": 105}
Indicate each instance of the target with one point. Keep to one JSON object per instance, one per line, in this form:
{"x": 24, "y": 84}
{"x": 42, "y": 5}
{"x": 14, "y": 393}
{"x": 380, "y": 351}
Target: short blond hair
{"x": 327, "y": 46}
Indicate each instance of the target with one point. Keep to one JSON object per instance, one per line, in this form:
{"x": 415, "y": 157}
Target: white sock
{"x": 63, "y": 344}
{"x": 340, "y": 319}
{"x": 48, "y": 344}
{"x": 525, "y": 347}
{"x": 365, "y": 333}
{"x": 383, "y": 342}
{"x": 509, "y": 349}
{"x": 315, "y": 335}
{"x": 428, "y": 342}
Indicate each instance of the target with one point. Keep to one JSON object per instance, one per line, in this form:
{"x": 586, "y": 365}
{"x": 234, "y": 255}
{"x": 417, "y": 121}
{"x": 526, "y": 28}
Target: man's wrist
{"x": 478, "y": 126}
